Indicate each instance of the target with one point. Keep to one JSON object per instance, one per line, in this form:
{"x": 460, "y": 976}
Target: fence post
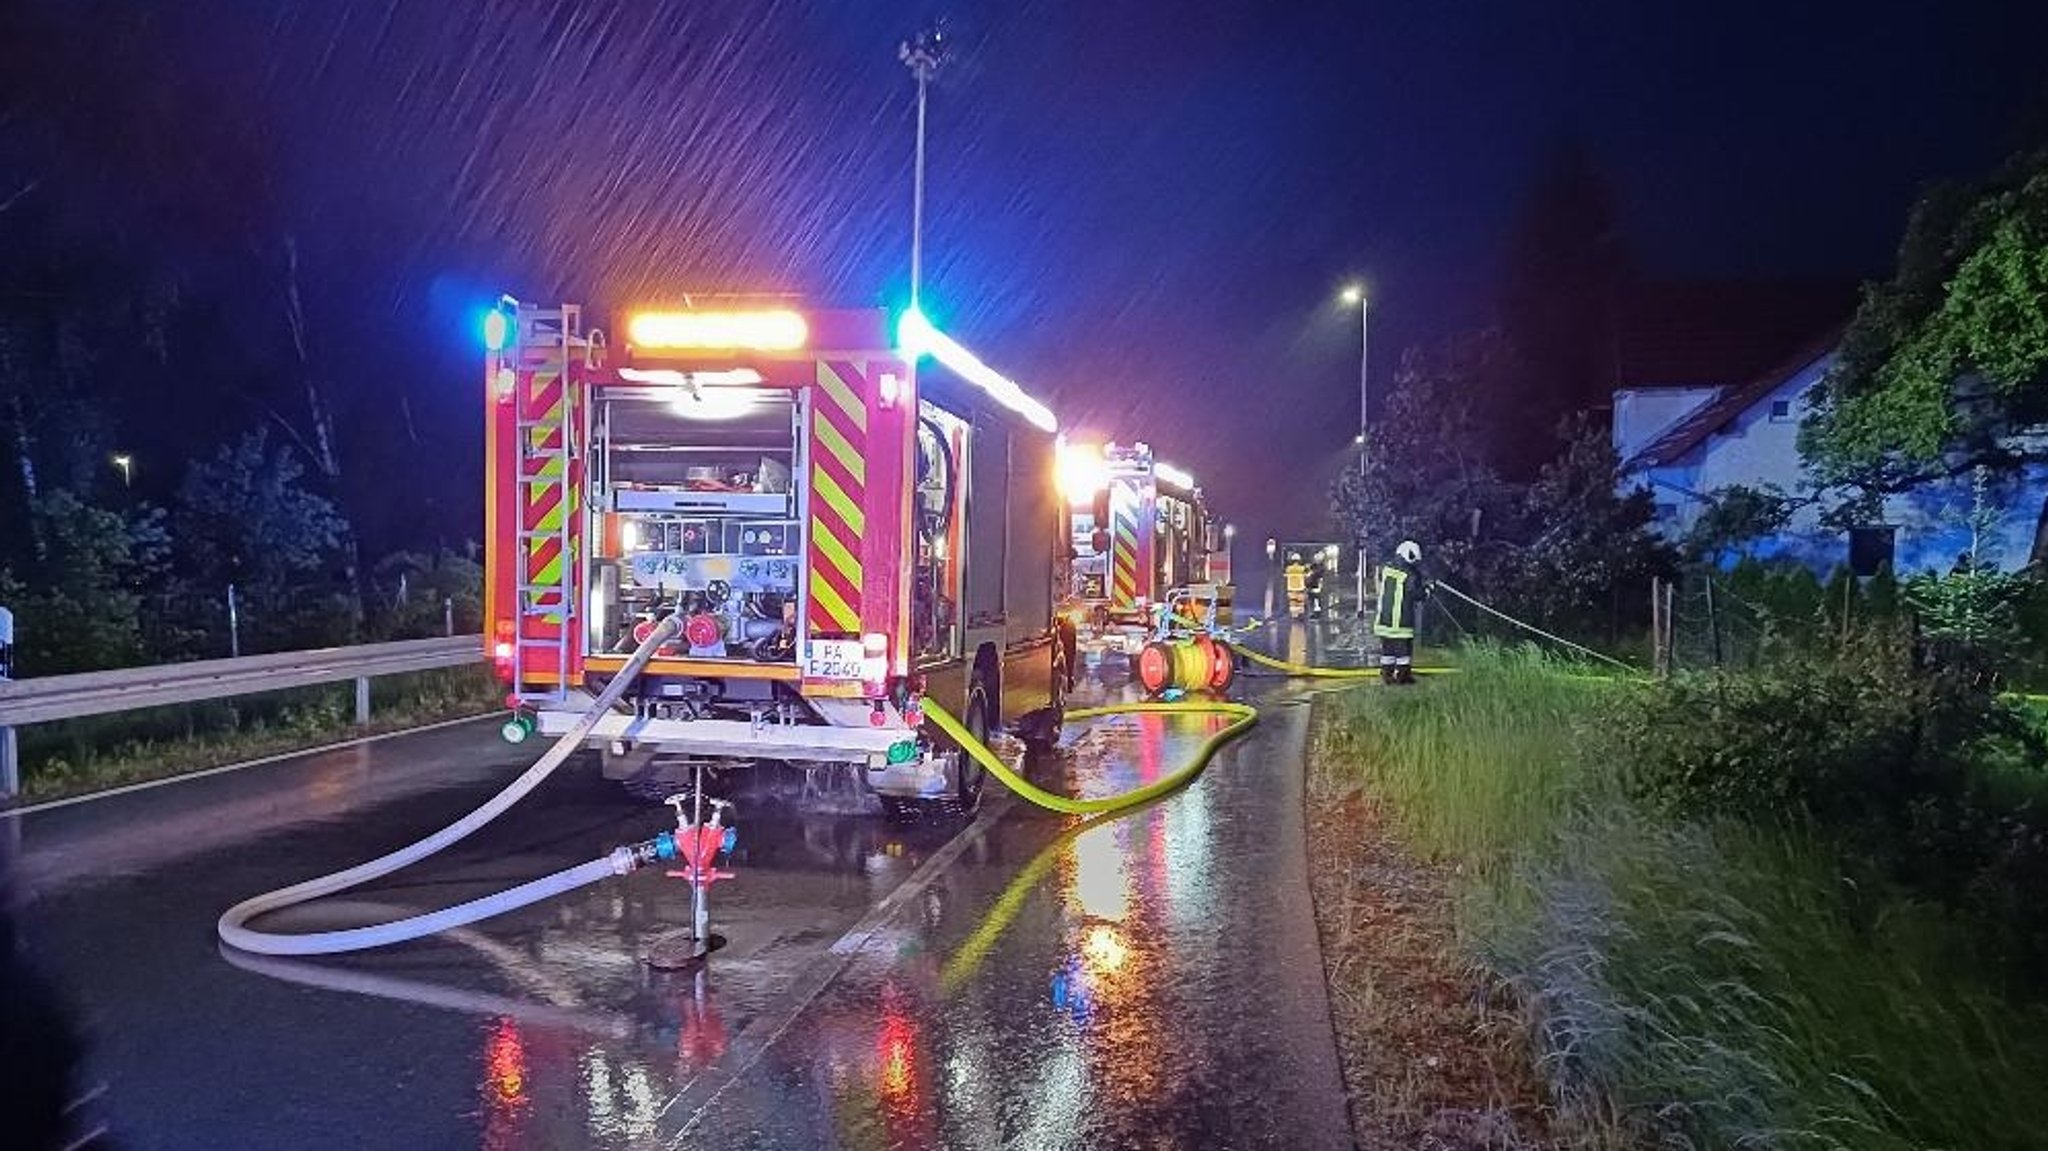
{"x": 1713, "y": 622}
{"x": 448, "y": 615}
{"x": 10, "y": 758}
{"x": 362, "y": 701}
{"x": 1656, "y": 627}
{"x": 234, "y": 625}
{"x": 1670, "y": 625}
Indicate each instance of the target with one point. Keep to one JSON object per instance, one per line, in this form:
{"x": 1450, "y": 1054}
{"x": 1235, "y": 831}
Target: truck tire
{"x": 966, "y": 797}
{"x": 1042, "y": 735}
{"x": 969, "y": 777}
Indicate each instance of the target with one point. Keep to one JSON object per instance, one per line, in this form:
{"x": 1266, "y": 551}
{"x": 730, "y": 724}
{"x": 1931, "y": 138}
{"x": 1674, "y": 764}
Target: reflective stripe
{"x": 1386, "y": 622}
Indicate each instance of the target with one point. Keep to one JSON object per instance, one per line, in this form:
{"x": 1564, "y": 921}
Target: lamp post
{"x": 126, "y": 463}
{"x": 1355, "y": 294}
{"x": 922, "y": 55}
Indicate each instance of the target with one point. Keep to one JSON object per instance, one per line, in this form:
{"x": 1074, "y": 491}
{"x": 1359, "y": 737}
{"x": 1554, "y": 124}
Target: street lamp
{"x": 126, "y": 463}
{"x": 922, "y": 56}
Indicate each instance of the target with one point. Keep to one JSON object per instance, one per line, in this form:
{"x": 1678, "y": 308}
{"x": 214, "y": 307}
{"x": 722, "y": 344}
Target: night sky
{"x": 1142, "y": 211}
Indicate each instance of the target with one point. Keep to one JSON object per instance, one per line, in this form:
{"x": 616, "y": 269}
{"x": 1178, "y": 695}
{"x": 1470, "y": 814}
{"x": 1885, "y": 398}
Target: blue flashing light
{"x": 497, "y": 328}
{"x": 916, "y": 336}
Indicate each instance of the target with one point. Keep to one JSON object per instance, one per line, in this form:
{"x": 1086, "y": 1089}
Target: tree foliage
{"x": 1425, "y": 475}
{"x": 246, "y": 517}
{"x": 1566, "y": 549}
{"x": 1593, "y": 553}
{"x": 1732, "y": 518}
{"x": 1566, "y": 263}
{"x": 75, "y": 596}
{"x": 1948, "y": 359}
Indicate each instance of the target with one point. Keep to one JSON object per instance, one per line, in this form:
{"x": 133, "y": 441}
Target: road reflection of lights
{"x": 1105, "y": 949}
{"x": 896, "y": 1052}
{"x": 1071, "y": 991}
{"x": 505, "y": 1057}
{"x": 1062, "y": 1096}
{"x": 505, "y": 1104}
{"x": 622, "y": 1100}
{"x": 1099, "y": 885}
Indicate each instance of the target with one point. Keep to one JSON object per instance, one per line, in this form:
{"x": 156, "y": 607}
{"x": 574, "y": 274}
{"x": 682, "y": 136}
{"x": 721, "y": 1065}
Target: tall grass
{"x": 1690, "y": 985}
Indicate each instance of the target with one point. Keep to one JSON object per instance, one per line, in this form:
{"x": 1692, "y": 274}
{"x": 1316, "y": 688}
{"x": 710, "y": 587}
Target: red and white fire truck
{"x": 1139, "y": 531}
{"x": 847, "y": 524}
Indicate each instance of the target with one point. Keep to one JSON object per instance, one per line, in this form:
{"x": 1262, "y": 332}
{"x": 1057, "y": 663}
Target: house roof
{"x": 1712, "y": 333}
{"x": 1716, "y": 414}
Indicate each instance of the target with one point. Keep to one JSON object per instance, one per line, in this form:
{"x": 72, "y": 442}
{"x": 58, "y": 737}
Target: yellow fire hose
{"x": 1243, "y": 717}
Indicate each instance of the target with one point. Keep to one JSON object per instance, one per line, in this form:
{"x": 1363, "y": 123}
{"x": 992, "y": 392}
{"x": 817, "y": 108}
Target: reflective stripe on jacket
{"x": 1401, "y": 594}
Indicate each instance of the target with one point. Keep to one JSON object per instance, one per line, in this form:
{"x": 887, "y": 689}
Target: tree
{"x": 1565, "y": 265}
{"x": 1948, "y": 359}
{"x": 1426, "y": 477}
{"x": 1733, "y": 518}
{"x": 78, "y": 603}
{"x": 413, "y": 587}
{"x": 1594, "y": 549}
{"x": 245, "y": 517}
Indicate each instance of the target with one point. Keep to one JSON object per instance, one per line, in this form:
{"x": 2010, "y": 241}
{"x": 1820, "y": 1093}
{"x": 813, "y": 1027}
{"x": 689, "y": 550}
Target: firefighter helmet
{"x": 1409, "y": 551}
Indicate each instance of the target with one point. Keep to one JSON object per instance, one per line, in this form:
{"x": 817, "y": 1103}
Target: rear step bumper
{"x": 737, "y": 738}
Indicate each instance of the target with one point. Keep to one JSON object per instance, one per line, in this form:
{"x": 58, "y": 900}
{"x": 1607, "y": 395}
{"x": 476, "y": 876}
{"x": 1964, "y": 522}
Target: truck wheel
{"x": 967, "y": 789}
{"x": 969, "y": 775}
{"x": 1043, "y": 735}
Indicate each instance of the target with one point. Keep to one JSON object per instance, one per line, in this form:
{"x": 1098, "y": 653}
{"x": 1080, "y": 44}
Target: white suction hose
{"x": 233, "y": 925}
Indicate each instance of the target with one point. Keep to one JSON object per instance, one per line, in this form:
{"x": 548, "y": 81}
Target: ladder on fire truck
{"x": 546, "y": 418}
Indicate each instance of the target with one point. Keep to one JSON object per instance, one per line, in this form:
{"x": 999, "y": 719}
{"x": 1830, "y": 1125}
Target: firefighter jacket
{"x": 1402, "y": 590}
{"x": 1297, "y": 578}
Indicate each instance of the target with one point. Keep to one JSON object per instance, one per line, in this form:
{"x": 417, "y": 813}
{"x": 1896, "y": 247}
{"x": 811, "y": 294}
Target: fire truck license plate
{"x": 833, "y": 659}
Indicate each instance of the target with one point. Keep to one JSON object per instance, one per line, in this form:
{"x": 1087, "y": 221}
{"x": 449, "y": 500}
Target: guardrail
{"x": 55, "y": 697}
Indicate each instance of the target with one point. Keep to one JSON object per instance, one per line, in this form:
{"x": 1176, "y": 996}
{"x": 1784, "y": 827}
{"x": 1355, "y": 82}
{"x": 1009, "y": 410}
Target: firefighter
{"x": 1315, "y": 591}
{"x": 1297, "y": 585}
{"x": 1402, "y": 590}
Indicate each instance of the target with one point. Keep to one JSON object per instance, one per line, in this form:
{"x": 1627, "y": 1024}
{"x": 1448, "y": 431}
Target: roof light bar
{"x": 772, "y": 331}
{"x": 917, "y": 336}
{"x": 1172, "y": 475}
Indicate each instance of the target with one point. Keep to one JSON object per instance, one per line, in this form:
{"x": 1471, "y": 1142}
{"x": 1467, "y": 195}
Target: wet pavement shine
{"x": 1148, "y": 980}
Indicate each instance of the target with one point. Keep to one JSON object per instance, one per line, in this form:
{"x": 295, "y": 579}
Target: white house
{"x": 1690, "y": 441}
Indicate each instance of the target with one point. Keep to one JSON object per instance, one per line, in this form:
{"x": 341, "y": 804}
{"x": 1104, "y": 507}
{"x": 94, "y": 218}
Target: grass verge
{"x": 75, "y": 757}
{"x": 1710, "y": 985}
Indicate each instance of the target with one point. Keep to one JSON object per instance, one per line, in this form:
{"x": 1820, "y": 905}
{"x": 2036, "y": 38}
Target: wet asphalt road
{"x": 1150, "y": 980}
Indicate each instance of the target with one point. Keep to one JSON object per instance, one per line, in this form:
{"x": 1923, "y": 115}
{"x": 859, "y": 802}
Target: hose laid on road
{"x": 1243, "y": 716}
{"x": 233, "y": 926}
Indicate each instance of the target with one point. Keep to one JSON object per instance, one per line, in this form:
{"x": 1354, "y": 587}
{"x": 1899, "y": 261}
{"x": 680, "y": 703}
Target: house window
{"x": 1781, "y": 411}
{"x": 1667, "y": 511}
{"x": 1871, "y": 548}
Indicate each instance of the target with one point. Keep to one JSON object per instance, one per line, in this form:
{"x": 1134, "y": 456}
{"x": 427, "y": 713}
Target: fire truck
{"x": 846, "y": 523}
{"x": 1139, "y": 530}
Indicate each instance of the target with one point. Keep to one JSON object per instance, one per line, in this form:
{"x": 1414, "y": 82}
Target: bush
{"x": 1923, "y": 777}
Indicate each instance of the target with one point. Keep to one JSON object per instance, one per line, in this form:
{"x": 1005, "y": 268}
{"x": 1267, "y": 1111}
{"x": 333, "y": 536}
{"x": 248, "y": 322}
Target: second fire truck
{"x": 846, "y": 523}
{"x": 1139, "y": 531}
